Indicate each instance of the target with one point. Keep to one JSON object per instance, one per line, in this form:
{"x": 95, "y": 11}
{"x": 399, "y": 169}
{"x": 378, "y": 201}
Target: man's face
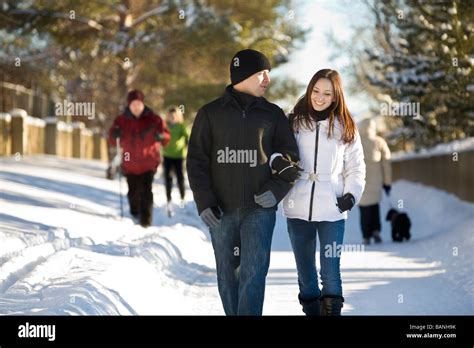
{"x": 136, "y": 107}
{"x": 256, "y": 84}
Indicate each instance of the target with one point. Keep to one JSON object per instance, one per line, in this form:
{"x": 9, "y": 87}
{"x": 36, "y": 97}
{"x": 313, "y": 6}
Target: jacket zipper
{"x": 314, "y": 171}
{"x": 243, "y": 176}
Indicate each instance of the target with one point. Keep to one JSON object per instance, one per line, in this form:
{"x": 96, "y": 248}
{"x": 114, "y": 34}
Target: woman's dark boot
{"x": 331, "y": 305}
{"x": 311, "y": 306}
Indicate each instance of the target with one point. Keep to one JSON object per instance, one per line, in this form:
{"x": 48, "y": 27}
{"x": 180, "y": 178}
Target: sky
{"x": 323, "y": 16}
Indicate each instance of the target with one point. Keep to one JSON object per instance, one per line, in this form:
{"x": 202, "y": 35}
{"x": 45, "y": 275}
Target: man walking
{"x": 140, "y": 132}
{"x": 235, "y": 190}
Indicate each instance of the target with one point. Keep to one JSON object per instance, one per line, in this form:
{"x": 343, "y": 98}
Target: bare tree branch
{"x": 39, "y": 13}
{"x": 153, "y": 12}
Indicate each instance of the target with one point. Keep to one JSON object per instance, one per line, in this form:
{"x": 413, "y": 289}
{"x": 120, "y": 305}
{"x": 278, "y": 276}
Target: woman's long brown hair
{"x": 301, "y": 116}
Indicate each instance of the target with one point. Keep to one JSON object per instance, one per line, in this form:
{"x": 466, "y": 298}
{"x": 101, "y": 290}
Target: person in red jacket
{"x": 140, "y": 132}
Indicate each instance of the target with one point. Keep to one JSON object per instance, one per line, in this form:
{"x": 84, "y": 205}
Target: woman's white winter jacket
{"x": 331, "y": 169}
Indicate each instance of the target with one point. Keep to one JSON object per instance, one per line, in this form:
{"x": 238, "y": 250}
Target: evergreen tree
{"x": 418, "y": 51}
{"x": 176, "y": 51}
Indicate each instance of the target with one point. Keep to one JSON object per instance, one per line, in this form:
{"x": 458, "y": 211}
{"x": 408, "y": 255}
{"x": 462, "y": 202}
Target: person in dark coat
{"x": 140, "y": 132}
{"x": 235, "y": 189}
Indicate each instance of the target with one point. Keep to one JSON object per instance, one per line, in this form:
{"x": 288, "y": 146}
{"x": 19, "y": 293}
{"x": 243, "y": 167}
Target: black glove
{"x": 286, "y": 169}
{"x": 345, "y": 202}
{"x": 387, "y": 189}
{"x": 117, "y": 132}
{"x": 217, "y": 212}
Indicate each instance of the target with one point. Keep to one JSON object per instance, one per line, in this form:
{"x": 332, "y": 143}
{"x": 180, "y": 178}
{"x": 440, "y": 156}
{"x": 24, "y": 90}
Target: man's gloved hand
{"x": 387, "y": 189}
{"x": 286, "y": 169}
{"x": 266, "y": 199}
{"x": 345, "y": 202}
{"x": 117, "y": 132}
{"x": 211, "y": 216}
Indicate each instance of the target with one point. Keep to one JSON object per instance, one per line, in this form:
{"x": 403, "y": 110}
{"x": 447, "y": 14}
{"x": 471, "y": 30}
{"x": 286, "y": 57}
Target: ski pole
{"x": 119, "y": 169}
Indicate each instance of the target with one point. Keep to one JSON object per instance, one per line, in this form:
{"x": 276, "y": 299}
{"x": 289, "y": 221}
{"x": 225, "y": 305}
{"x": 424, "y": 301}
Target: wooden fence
{"x": 26, "y": 135}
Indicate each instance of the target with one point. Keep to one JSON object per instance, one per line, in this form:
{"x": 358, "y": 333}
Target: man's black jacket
{"x": 223, "y": 128}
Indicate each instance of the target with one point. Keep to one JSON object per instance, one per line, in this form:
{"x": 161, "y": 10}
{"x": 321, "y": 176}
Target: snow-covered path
{"x": 64, "y": 250}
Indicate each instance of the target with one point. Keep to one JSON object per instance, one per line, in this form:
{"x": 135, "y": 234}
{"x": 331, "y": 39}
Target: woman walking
{"x": 379, "y": 175}
{"x": 174, "y": 154}
{"x": 331, "y": 184}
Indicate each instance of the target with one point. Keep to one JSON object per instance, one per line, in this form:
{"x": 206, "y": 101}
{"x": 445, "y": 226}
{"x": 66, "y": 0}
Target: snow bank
{"x": 65, "y": 250}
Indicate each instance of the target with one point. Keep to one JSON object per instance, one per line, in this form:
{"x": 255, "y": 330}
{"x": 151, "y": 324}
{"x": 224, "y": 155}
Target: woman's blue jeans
{"x": 303, "y": 240}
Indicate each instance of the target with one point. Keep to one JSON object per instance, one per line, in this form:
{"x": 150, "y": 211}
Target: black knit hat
{"x": 245, "y": 63}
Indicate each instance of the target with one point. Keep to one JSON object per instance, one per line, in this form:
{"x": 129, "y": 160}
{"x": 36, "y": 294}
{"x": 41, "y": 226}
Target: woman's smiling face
{"x": 322, "y": 95}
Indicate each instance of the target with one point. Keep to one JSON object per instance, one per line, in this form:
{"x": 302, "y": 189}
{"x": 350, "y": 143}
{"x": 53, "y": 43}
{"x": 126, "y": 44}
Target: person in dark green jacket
{"x": 175, "y": 153}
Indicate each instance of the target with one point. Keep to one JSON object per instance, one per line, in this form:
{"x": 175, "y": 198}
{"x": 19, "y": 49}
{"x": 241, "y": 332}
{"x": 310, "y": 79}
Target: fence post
{"x": 87, "y": 144}
{"x": 64, "y": 139}
{"x": 35, "y": 129}
{"x": 100, "y": 145}
{"x": 51, "y": 136}
{"x": 77, "y": 128}
{"x": 19, "y": 131}
{"x": 5, "y": 135}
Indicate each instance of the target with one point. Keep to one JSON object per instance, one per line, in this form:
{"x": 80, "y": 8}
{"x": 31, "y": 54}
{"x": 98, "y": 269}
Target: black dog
{"x": 400, "y": 225}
